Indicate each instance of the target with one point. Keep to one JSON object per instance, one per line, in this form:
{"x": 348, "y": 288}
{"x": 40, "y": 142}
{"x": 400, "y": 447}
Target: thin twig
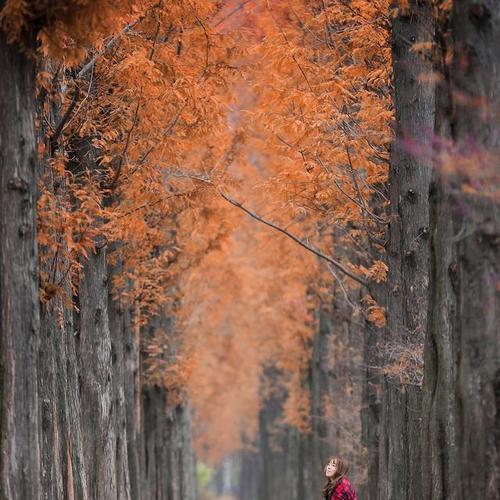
{"x": 64, "y": 119}
{"x": 207, "y": 38}
{"x": 342, "y": 287}
{"x": 75, "y": 113}
{"x": 292, "y": 55}
{"x": 361, "y": 199}
{"x": 44, "y": 91}
{"x": 127, "y": 143}
{"x": 155, "y": 41}
{"x": 302, "y": 243}
{"x": 166, "y": 133}
{"x": 358, "y": 204}
{"x": 232, "y": 13}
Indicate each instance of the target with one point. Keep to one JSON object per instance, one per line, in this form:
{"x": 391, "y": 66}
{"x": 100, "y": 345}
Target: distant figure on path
{"x": 337, "y": 486}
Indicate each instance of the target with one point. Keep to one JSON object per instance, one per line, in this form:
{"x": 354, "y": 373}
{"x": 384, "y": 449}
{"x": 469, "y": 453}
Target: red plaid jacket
{"x": 344, "y": 491}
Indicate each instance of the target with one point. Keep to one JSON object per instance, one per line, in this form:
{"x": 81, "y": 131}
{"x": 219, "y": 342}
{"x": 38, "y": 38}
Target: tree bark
{"x": 19, "y": 307}
{"x": 64, "y": 468}
{"x": 96, "y": 383}
{"x": 123, "y": 379}
{"x": 407, "y": 257}
{"x": 462, "y": 379}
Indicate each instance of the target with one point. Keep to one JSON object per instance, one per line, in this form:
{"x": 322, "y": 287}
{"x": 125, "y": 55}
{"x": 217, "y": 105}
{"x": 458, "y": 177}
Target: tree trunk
{"x": 166, "y": 455}
{"x": 19, "y": 307}
{"x": 64, "y": 469}
{"x": 408, "y": 258}
{"x": 278, "y": 447}
{"x": 462, "y": 379}
{"x": 250, "y": 471}
{"x": 96, "y": 389}
{"x": 123, "y": 380}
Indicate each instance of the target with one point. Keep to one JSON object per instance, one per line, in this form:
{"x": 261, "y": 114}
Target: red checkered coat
{"x": 344, "y": 491}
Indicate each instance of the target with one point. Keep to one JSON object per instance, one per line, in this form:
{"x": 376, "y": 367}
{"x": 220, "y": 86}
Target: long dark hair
{"x": 332, "y": 482}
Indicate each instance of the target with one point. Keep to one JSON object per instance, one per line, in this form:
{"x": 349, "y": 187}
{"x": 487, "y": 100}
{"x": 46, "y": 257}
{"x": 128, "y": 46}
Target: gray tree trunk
{"x": 64, "y": 468}
{"x": 96, "y": 383}
{"x": 151, "y": 452}
{"x": 123, "y": 380}
{"x": 462, "y": 381}
{"x": 166, "y": 454}
{"x": 370, "y": 413}
{"x": 408, "y": 259}
{"x": 250, "y": 471}
{"x": 19, "y": 307}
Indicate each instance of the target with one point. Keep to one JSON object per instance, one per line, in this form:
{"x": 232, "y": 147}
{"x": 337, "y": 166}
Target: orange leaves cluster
{"x": 326, "y": 108}
{"x": 68, "y": 28}
{"x": 377, "y": 272}
{"x": 376, "y": 314}
{"x": 132, "y": 167}
{"x": 14, "y": 17}
{"x": 317, "y": 115}
{"x": 149, "y": 109}
{"x": 151, "y": 112}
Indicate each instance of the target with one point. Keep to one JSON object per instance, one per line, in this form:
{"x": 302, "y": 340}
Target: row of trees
{"x": 86, "y": 290}
{"x": 429, "y": 403}
{"x": 130, "y": 279}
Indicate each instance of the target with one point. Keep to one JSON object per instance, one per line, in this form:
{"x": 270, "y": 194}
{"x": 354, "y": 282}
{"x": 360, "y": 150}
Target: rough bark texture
{"x": 462, "y": 374}
{"x": 409, "y": 181}
{"x": 408, "y": 260}
{"x": 71, "y": 404}
{"x": 19, "y": 309}
{"x": 64, "y": 468}
{"x": 123, "y": 378}
{"x": 462, "y": 382}
{"x": 139, "y": 449}
{"x": 96, "y": 378}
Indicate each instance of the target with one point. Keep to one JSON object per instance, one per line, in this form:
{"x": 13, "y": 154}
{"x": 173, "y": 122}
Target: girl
{"x": 337, "y": 486}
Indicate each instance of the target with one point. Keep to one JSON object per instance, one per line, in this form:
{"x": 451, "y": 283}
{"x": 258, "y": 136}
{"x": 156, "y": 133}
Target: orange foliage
{"x": 315, "y": 108}
{"x": 149, "y": 111}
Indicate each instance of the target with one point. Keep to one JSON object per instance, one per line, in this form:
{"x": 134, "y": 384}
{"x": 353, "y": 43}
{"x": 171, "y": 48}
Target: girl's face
{"x": 331, "y": 468}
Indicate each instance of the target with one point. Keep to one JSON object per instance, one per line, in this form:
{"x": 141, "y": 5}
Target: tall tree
{"x": 407, "y": 255}
{"x": 19, "y": 306}
{"x": 461, "y": 366}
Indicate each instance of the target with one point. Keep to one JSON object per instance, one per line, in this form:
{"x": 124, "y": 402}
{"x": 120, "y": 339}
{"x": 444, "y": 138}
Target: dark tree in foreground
{"x": 19, "y": 303}
{"x": 462, "y": 412}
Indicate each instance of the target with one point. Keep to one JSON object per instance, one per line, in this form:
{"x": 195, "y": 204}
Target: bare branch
{"x": 335, "y": 263}
{"x": 166, "y": 133}
{"x": 125, "y": 148}
{"x": 64, "y": 119}
{"x": 292, "y": 55}
{"x": 355, "y": 307}
{"x": 362, "y": 200}
{"x": 360, "y": 205}
{"x": 207, "y": 39}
